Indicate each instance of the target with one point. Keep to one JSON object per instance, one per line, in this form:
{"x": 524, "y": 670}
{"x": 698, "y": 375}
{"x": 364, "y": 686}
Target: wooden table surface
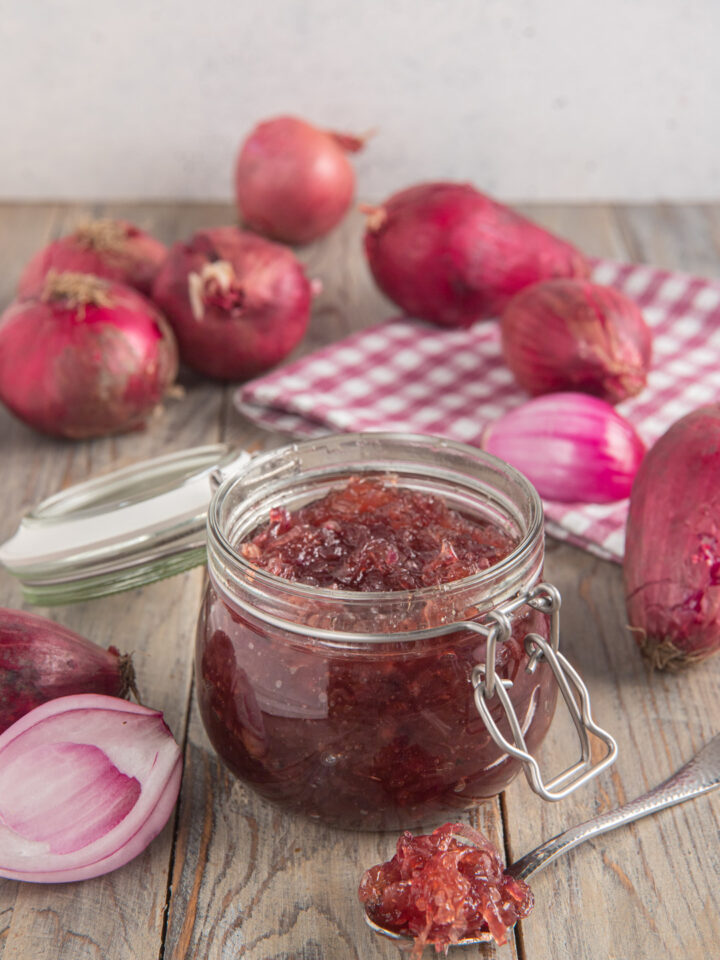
{"x": 232, "y": 877}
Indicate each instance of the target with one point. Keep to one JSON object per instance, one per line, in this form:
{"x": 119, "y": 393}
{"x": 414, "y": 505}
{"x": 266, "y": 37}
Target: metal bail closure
{"x": 546, "y": 598}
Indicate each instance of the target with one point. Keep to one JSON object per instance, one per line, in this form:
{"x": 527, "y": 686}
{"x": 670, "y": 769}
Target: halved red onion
{"x": 86, "y": 782}
{"x": 571, "y": 446}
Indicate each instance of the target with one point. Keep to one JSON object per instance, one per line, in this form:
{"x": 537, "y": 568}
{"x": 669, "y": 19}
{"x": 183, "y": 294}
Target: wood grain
{"x": 120, "y": 915}
{"x": 233, "y": 877}
{"x": 303, "y": 875}
{"x": 642, "y": 892}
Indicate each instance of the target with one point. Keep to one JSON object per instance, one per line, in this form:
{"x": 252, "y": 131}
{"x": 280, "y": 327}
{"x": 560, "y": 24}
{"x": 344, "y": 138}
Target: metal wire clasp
{"x": 497, "y": 628}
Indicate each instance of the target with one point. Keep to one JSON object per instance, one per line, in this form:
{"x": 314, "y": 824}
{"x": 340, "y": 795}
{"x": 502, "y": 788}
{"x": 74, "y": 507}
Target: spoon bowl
{"x": 391, "y": 935}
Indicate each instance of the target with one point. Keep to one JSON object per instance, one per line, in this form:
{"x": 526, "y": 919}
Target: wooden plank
{"x": 120, "y": 915}
{"x": 678, "y": 238}
{"x": 647, "y": 891}
{"x": 592, "y": 227}
{"x": 713, "y": 213}
{"x": 249, "y": 880}
{"x": 22, "y": 231}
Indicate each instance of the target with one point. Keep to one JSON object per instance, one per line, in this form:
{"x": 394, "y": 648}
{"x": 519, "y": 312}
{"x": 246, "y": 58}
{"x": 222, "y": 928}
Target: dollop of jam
{"x": 439, "y": 888}
{"x": 371, "y": 535}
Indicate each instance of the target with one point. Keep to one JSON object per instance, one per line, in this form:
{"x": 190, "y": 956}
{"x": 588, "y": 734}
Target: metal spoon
{"x": 699, "y": 775}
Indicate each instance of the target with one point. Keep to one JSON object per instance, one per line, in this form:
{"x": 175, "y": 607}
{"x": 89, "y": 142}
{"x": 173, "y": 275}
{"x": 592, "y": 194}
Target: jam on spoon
{"x": 381, "y": 886}
{"x": 444, "y": 887}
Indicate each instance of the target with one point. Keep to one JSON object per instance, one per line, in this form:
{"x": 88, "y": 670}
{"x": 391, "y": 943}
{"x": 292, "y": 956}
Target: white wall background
{"x": 530, "y": 99}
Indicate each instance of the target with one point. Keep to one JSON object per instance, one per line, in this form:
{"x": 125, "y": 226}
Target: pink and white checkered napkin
{"x": 406, "y": 375}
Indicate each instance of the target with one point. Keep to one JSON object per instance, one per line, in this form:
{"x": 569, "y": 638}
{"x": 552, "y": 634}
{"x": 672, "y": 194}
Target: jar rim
{"x": 263, "y": 579}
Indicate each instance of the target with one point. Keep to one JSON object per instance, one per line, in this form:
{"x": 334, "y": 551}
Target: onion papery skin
{"x": 112, "y": 249}
{"x": 238, "y": 303}
{"x": 571, "y": 446}
{"x": 446, "y": 253}
{"x": 78, "y": 369}
{"x": 293, "y": 181}
{"x": 571, "y": 334}
{"x": 86, "y": 782}
{"x": 41, "y": 660}
{"x": 672, "y": 544}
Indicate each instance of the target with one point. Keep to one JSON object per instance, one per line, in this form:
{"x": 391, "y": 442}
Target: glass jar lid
{"x": 131, "y": 527}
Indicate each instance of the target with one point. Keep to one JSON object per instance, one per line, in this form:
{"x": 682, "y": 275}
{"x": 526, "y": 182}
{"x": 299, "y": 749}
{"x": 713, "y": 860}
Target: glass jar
{"x": 357, "y": 708}
{"x": 366, "y": 710}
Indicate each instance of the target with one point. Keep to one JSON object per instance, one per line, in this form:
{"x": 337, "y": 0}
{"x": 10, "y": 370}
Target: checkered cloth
{"x": 406, "y": 375}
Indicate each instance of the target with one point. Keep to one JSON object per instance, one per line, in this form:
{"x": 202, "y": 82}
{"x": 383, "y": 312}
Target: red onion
{"x": 40, "y": 661}
{"x": 447, "y": 253}
{"x": 672, "y": 552}
{"x": 113, "y": 249}
{"x": 87, "y": 358}
{"x": 570, "y": 334}
{"x": 86, "y": 782}
{"x": 571, "y": 446}
{"x": 238, "y": 304}
{"x": 294, "y": 182}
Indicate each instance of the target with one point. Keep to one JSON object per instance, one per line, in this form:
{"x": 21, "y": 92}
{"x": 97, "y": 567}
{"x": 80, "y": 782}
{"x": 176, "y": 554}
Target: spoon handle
{"x": 699, "y": 775}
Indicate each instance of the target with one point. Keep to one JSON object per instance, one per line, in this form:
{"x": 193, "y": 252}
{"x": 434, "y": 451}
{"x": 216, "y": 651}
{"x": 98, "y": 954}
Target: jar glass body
{"x": 358, "y": 709}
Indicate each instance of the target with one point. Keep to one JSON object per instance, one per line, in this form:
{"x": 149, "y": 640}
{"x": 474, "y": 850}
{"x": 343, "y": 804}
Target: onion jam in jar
{"x": 334, "y": 662}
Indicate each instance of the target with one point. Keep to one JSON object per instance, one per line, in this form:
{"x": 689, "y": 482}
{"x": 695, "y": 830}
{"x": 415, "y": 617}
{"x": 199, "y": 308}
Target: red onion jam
{"x": 438, "y": 889}
{"x": 373, "y": 535}
{"x": 358, "y": 734}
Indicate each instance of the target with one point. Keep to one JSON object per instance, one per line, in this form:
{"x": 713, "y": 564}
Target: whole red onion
{"x": 238, "y": 304}
{"x": 447, "y": 253}
{"x": 570, "y": 334}
{"x": 293, "y": 181}
{"x": 87, "y": 358}
{"x": 672, "y": 553}
{"x": 41, "y": 660}
{"x": 113, "y": 249}
{"x": 86, "y": 782}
